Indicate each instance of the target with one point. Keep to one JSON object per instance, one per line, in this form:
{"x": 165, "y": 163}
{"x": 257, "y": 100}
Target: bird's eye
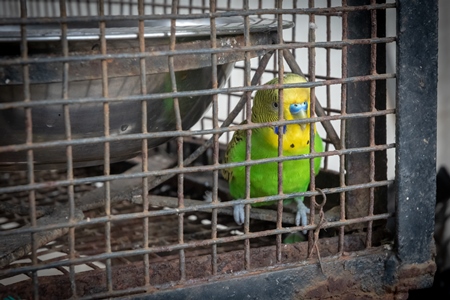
{"x": 275, "y": 104}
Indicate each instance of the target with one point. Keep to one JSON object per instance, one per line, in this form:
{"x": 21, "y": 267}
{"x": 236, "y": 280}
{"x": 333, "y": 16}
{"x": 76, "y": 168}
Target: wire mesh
{"x": 117, "y": 115}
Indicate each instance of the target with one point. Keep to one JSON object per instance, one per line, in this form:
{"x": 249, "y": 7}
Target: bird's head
{"x": 296, "y": 102}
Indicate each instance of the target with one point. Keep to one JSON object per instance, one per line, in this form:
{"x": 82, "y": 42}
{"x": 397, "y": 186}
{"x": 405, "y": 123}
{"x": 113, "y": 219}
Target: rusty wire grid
{"x": 116, "y": 116}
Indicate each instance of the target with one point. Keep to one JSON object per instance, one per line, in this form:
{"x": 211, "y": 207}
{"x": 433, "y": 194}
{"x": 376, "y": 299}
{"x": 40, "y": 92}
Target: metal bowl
{"x": 192, "y": 72}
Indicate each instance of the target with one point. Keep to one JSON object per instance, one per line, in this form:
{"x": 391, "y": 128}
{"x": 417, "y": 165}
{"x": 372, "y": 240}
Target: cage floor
{"x": 129, "y": 235}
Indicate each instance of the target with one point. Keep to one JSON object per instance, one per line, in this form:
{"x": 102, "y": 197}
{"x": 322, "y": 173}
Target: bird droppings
{"x": 9, "y": 225}
{"x": 192, "y": 218}
{"x": 236, "y": 232}
{"x": 206, "y": 222}
{"x": 98, "y": 184}
{"x": 221, "y": 227}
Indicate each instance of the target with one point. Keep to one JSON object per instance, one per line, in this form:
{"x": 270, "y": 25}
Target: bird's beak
{"x": 299, "y": 112}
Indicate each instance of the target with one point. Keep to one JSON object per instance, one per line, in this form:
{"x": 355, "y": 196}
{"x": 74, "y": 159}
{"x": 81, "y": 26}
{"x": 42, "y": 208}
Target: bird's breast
{"x": 295, "y": 139}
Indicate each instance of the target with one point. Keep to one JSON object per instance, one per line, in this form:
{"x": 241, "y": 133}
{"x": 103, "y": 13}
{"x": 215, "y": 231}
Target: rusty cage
{"x": 114, "y": 120}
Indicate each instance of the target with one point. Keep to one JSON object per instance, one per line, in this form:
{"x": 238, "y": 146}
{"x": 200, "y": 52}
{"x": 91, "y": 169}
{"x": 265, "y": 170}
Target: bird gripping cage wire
{"x": 115, "y": 120}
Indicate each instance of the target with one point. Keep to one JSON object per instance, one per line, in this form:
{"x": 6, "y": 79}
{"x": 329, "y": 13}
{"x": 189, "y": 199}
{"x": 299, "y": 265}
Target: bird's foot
{"x": 239, "y": 214}
{"x": 301, "y": 216}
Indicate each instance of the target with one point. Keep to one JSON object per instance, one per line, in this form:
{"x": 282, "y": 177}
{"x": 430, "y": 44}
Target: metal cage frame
{"x": 405, "y": 263}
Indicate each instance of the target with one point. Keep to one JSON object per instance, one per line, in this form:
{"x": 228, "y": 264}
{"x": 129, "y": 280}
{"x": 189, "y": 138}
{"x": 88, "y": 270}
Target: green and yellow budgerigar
{"x": 264, "y": 144}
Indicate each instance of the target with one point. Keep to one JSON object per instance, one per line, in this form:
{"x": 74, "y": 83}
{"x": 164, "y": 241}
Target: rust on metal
{"x": 145, "y": 229}
{"x": 365, "y": 97}
{"x": 119, "y": 65}
{"x": 343, "y": 275}
{"x": 166, "y": 271}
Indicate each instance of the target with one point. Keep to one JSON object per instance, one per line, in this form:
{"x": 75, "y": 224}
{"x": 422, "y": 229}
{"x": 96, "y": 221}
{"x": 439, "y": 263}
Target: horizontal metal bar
{"x": 129, "y": 292}
{"x": 78, "y": 181}
{"x": 252, "y": 12}
{"x": 188, "y": 245}
{"x": 195, "y": 208}
{"x": 241, "y": 89}
{"x": 291, "y": 45}
{"x": 186, "y": 133}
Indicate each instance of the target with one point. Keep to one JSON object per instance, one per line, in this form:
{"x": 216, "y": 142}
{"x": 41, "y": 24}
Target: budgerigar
{"x": 264, "y": 144}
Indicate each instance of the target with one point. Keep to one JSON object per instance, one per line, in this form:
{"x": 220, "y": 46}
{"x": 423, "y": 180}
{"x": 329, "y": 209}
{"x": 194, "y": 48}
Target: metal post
{"x": 359, "y": 165}
{"x": 417, "y": 31}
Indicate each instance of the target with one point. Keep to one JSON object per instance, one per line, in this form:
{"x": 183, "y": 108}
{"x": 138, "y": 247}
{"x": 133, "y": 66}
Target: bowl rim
{"x": 38, "y": 31}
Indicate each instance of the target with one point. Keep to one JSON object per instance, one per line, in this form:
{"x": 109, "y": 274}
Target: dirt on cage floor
{"x": 128, "y": 235}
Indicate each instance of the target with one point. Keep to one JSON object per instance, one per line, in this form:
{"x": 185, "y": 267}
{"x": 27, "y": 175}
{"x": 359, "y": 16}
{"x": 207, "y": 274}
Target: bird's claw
{"x": 302, "y": 212}
{"x": 239, "y": 214}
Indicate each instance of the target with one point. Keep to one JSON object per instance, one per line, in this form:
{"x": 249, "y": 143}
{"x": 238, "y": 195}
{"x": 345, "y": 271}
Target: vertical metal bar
{"x": 342, "y": 200}
{"x": 381, "y": 163}
{"x": 294, "y": 30}
{"x": 78, "y": 6}
{"x": 190, "y": 6}
{"x": 18, "y": 10}
{"x": 38, "y": 9}
{"x": 276, "y": 60}
{"x": 358, "y": 164}
{"x": 312, "y": 78}
{"x": 54, "y": 9}
{"x": 152, "y": 9}
{"x": 215, "y": 108}
{"x": 30, "y": 8}
{"x": 69, "y": 9}
{"x": 328, "y": 75}
{"x": 50, "y": 8}
{"x": 247, "y": 71}
{"x": 29, "y": 140}
{"x": 88, "y": 8}
{"x": 166, "y": 7}
{"x": 47, "y": 5}
{"x": 145, "y": 201}
{"x": 122, "y": 8}
{"x": 275, "y": 64}
{"x": 372, "y": 95}
{"x": 416, "y": 128}
{"x": 280, "y": 60}
{"x": 14, "y": 8}
{"x": 229, "y": 97}
{"x": 9, "y": 8}
{"x": 69, "y": 156}
{"x": 176, "y": 106}
{"x": 106, "y": 164}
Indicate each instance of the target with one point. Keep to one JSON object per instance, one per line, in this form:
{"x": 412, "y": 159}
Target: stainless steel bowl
{"x": 193, "y": 73}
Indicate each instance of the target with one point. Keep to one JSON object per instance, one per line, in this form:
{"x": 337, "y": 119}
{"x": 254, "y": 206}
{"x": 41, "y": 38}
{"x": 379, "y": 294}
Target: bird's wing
{"x": 238, "y": 137}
